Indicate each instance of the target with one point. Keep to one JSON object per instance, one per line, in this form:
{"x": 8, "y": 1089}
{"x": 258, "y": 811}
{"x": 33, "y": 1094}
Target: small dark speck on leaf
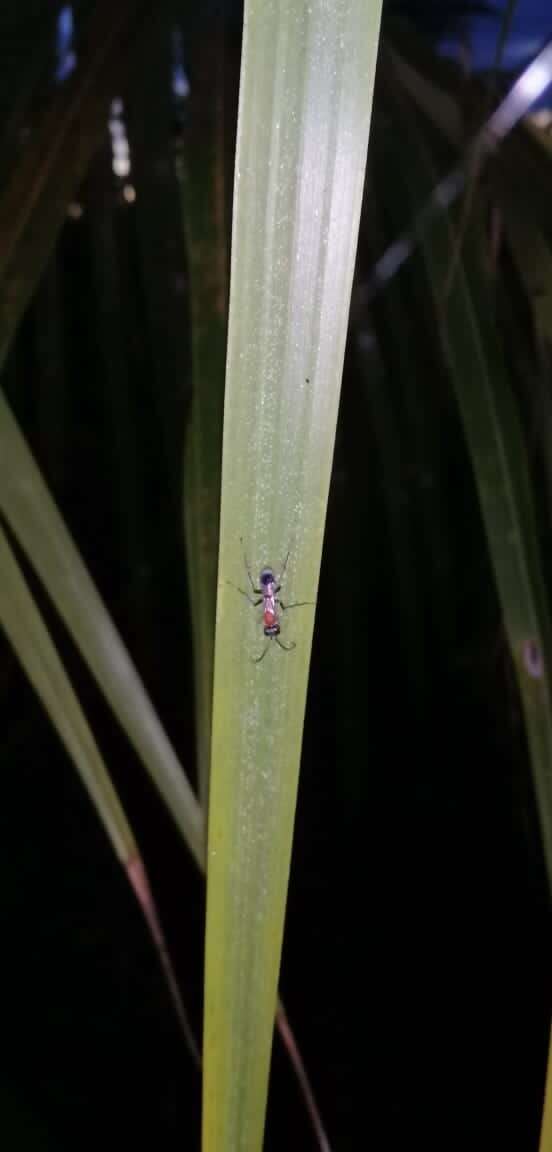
{"x": 307, "y": 381}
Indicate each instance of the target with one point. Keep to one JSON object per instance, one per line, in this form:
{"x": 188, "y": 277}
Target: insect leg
{"x": 255, "y": 603}
{"x": 257, "y": 659}
{"x": 296, "y": 604}
{"x": 285, "y": 647}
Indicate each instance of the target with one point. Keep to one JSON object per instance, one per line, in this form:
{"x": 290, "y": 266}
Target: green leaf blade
{"x": 479, "y": 374}
{"x": 29, "y": 509}
{"x": 305, "y": 102}
{"x": 27, "y": 633}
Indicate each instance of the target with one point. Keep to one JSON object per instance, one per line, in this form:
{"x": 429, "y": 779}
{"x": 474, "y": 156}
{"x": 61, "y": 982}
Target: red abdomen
{"x": 269, "y": 618}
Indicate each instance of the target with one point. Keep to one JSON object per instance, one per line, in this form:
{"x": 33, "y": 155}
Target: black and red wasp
{"x": 267, "y": 595}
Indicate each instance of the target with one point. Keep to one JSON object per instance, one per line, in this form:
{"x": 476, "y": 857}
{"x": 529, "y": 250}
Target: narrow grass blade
{"x": 546, "y": 1130}
{"x": 116, "y": 390}
{"x": 26, "y": 631}
{"x": 202, "y": 177}
{"x": 139, "y": 881}
{"x": 435, "y": 102}
{"x": 376, "y": 405}
{"x": 494, "y": 439}
{"x": 35, "y": 521}
{"x": 52, "y": 415}
{"x": 532, "y": 259}
{"x": 305, "y": 102}
{"x": 55, "y": 158}
{"x": 163, "y": 278}
{"x": 529, "y": 86}
{"x": 296, "y": 1060}
{"x": 27, "y": 68}
{"x": 62, "y": 570}
{"x": 523, "y": 171}
{"x": 201, "y": 173}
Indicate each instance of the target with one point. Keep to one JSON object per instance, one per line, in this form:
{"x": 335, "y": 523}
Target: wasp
{"x": 267, "y": 595}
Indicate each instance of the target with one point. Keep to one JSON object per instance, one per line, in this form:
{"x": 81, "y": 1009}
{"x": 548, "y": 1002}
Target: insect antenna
{"x": 247, "y": 568}
{"x": 282, "y": 572}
